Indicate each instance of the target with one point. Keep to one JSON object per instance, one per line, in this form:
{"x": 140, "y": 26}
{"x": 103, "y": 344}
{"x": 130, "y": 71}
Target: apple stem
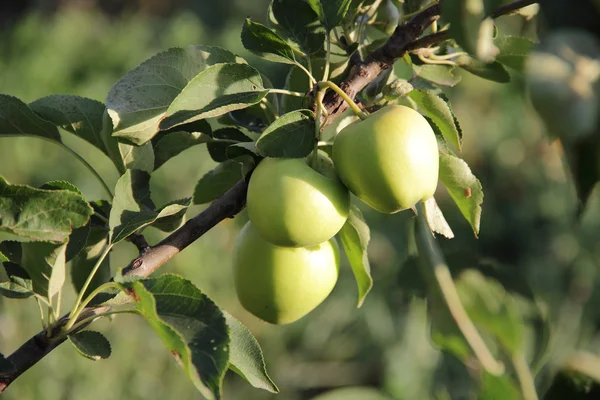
{"x": 330, "y": 85}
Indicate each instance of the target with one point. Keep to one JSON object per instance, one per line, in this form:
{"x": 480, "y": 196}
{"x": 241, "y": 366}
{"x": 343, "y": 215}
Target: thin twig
{"x": 140, "y": 242}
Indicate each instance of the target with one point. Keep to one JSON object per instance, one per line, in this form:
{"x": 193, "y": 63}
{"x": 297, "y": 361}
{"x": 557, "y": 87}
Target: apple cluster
{"x": 286, "y": 259}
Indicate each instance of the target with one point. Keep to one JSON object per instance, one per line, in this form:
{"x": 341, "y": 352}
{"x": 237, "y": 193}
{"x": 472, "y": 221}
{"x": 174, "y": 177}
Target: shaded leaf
{"x": 290, "y": 136}
{"x": 513, "y": 51}
{"x": 171, "y": 144}
{"x": 241, "y": 149}
{"x": 435, "y": 219}
{"x": 45, "y": 264}
{"x": 266, "y": 43}
{"x": 190, "y": 325}
{"x": 464, "y": 188}
{"x": 16, "y": 118}
{"x": 246, "y": 357}
{"x": 355, "y": 236}
{"x": 19, "y": 285}
{"x": 91, "y": 344}
{"x": 218, "y": 181}
{"x": 138, "y": 101}
{"x": 176, "y": 210}
{"x": 83, "y": 264}
{"x": 218, "y": 150}
{"x": 300, "y": 24}
{"x": 437, "y": 107}
{"x": 492, "y": 72}
{"x": 41, "y": 214}
{"x": 330, "y": 12}
{"x": 439, "y": 74}
{"x": 216, "y": 91}
{"x": 78, "y": 115}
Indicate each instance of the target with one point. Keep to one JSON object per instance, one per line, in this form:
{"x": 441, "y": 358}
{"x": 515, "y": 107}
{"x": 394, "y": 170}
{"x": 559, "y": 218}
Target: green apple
{"x": 292, "y": 204}
{"x": 282, "y": 284}
{"x": 389, "y": 160}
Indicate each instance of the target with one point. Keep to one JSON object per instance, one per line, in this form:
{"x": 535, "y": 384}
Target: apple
{"x": 292, "y": 204}
{"x": 282, "y": 284}
{"x": 389, "y": 160}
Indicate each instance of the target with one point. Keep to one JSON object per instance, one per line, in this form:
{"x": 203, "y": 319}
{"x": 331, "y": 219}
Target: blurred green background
{"x": 84, "y": 47}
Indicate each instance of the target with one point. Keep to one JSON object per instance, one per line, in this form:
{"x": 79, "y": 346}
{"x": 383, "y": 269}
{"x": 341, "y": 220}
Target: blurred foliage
{"x": 528, "y": 235}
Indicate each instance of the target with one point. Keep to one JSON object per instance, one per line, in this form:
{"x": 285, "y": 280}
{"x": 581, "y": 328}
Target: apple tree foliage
{"x": 205, "y": 95}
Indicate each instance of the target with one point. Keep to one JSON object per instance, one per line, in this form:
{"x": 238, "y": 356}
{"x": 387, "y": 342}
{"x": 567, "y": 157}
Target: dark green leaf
{"x": 265, "y": 43}
{"x": 173, "y": 221}
{"x": 215, "y": 91}
{"x": 190, "y": 325}
{"x": 438, "y": 109}
{"x": 464, "y": 188}
{"x": 45, "y": 265}
{"x": 19, "y": 285}
{"x": 171, "y": 144}
{"x": 91, "y": 344}
{"x": 82, "y": 265}
{"x": 330, "y": 12}
{"x": 513, "y": 51}
{"x": 139, "y": 100}
{"x": 300, "y": 24}
{"x": 241, "y": 149}
{"x": 492, "y": 72}
{"x": 246, "y": 357}
{"x": 442, "y": 75}
{"x": 16, "y": 118}
{"x": 40, "y": 214}
{"x": 218, "y": 150}
{"x": 355, "y": 236}
{"x": 75, "y": 114}
{"x": 290, "y": 136}
{"x": 218, "y": 181}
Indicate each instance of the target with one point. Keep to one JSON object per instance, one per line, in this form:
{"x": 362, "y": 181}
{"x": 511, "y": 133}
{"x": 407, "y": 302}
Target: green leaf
{"x": 176, "y": 210}
{"x": 435, "y": 219}
{"x": 78, "y": 115}
{"x": 437, "y": 108}
{"x": 19, "y": 285}
{"x": 40, "y": 214}
{"x": 216, "y": 91}
{"x": 91, "y": 344}
{"x": 16, "y": 118}
{"x": 83, "y": 264}
{"x": 266, "y": 43}
{"x": 493, "y": 72}
{"x": 218, "y": 181}
{"x": 513, "y": 51}
{"x": 190, "y": 325}
{"x": 171, "y": 143}
{"x": 139, "y": 100}
{"x": 498, "y": 387}
{"x": 300, "y": 24}
{"x": 241, "y": 149}
{"x": 442, "y": 75}
{"x": 218, "y": 150}
{"x": 355, "y": 236}
{"x": 45, "y": 264}
{"x": 290, "y": 136}
{"x": 296, "y": 81}
{"x": 353, "y": 393}
{"x": 464, "y": 188}
{"x": 246, "y": 357}
{"x": 330, "y": 12}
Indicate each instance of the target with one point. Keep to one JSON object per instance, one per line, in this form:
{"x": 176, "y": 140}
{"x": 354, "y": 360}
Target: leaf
{"x": 438, "y": 109}
{"x": 83, "y": 264}
{"x": 190, "y": 325}
{"x": 91, "y": 344}
{"x": 171, "y": 143}
{"x": 266, "y": 43}
{"x": 300, "y": 24}
{"x": 435, "y": 219}
{"x": 498, "y": 387}
{"x": 45, "y": 264}
{"x": 464, "y": 188}
{"x": 246, "y": 357}
{"x": 438, "y": 74}
{"x": 41, "y": 214}
{"x": 216, "y": 91}
{"x": 138, "y": 101}
{"x": 492, "y": 72}
{"x": 19, "y": 285}
{"x": 78, "y": 115}
{"x": 330, "y": 12}
{"x": 513, "y": 51}
{"x": 241, "y": 149}
{"x": 218, "y": 181}
{"x": 355, "y": 236}
{"x": 218, "y": 150}
{"x": 174, "y": 220}
{"x": 290, "y": 136}
{"x": 16, "y": 118}
{"x": 353, "y": 393}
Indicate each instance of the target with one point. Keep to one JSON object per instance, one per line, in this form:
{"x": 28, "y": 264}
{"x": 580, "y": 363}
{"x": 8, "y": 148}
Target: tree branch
{"x": 361, "y": 73}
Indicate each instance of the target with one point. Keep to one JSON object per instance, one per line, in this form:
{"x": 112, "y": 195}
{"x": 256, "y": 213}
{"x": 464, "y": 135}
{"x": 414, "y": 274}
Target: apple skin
{"x": 282, "y": 284}
{"x": 390, "y": 160}
{"x": 291, "y": 204}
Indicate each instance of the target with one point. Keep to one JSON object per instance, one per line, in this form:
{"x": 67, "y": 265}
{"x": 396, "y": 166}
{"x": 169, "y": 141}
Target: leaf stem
{"x": 327, "y": 57}
{"x": 76, "y": 310}
{"x": 104, "y": 314}
{"x": 311, "y": 78}
{"x": 328, "y": 84}
{"x": 525, "y": 378}
{"x": 269, "y": 106}
{"x": 431, "y": 253}
{"x": 287, "y": 92}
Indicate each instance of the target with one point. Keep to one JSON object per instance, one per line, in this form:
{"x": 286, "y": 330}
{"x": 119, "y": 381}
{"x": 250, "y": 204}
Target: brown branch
{"x": 361, "y": 73}
{"x": 512, "y": 6}
{"x": 140, "y": 242}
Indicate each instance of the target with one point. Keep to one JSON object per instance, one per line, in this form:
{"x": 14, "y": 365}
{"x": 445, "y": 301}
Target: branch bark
{"x": 361, "y": 73}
